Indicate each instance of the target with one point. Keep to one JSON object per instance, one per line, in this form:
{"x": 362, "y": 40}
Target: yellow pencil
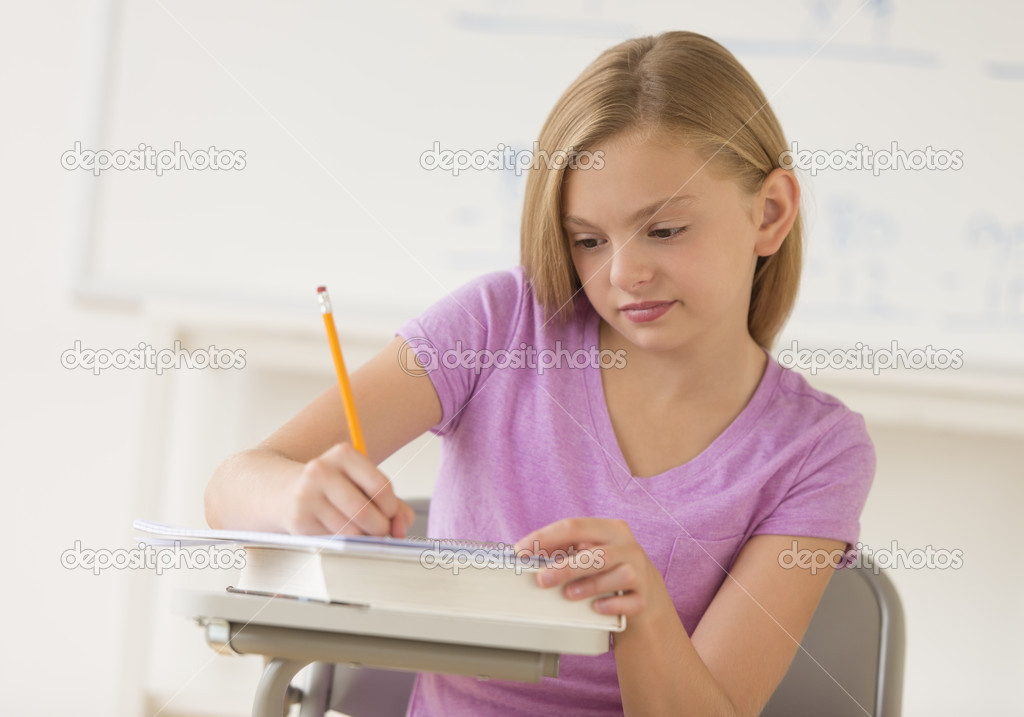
{"x": 354, "y": 432}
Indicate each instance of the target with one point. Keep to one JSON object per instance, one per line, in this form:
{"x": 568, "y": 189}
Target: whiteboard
{"x": 333, "y": 105}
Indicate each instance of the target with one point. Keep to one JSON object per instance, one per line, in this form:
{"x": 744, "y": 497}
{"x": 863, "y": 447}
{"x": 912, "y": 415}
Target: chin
{"x": 650, "y": 338}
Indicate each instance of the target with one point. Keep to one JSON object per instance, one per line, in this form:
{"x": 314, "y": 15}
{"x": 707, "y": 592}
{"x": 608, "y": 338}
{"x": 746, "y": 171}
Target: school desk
{"x": 292, "y": 634}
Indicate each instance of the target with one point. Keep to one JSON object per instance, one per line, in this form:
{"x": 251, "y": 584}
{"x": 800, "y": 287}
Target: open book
{"x": 443, "y": 577}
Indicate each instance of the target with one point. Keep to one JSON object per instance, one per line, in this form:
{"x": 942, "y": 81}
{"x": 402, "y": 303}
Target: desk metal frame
{"x": 293, "y": 634}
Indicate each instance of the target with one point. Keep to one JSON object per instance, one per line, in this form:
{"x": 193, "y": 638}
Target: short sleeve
{"x": 826, "y": 499}
{"x": 453, "y": 338}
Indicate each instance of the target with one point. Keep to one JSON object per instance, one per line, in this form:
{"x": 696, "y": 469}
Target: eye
{"x": 667, "y": 233}
{"x": 586, "y": 243}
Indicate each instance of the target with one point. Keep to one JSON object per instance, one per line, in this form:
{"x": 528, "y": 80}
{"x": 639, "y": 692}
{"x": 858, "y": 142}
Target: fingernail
{"x": 546, "y": 578}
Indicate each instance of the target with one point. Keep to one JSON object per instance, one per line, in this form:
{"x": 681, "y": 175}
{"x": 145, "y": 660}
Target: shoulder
{"x": 493, "y": 299}
{"x": 811, "y": 431}
{"x": 504, "y": 284}
{"x": 493, "y": 310}
{"x": 822, "y": 458}
{"x": 489, "y": 324}
{"x": 802, "y": 411}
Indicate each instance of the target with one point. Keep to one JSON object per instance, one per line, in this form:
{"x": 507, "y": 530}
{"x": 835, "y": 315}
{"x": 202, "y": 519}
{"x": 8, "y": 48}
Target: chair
{"x": 851, "y": 659}
{"x": 850, "y": 663}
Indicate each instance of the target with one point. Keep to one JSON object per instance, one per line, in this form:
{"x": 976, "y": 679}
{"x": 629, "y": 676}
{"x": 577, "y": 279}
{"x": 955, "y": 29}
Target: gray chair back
{"x": 850, "y": 662}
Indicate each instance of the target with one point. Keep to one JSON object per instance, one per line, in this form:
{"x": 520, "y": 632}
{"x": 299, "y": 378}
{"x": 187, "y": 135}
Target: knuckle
{"x": 628, "y": 574}
{"x": 383, "y": 490}
{"x": 314, "y": 468}
{"x": 306, "y": 487}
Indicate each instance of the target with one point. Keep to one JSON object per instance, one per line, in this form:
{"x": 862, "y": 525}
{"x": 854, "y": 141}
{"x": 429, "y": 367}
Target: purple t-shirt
{"x": 524, "y": 447}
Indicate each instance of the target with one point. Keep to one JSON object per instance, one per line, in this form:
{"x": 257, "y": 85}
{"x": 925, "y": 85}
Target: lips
{"x": 644, "y": 305}
{"x": 646, "y": 310}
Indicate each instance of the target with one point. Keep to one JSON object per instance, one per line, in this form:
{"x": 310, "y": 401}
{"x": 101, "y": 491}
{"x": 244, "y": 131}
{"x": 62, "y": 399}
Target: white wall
{"x": 84, "y": 455}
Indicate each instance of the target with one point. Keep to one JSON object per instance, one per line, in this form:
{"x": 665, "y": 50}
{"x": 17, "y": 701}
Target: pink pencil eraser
{"x": 321, "y": 289}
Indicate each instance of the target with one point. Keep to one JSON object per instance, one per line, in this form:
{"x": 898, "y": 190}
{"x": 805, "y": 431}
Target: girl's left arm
{"x": 744, "y": 643}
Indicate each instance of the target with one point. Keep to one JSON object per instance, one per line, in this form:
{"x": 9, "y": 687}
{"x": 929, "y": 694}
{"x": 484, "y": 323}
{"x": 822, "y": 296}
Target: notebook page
{"x": 362, "y": 545}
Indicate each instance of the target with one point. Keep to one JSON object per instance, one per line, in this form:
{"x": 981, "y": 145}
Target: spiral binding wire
{"x": 461, "y": 542}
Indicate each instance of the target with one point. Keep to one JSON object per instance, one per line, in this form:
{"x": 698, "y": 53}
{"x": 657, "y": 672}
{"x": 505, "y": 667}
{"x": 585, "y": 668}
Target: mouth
{"x": 646, "y": 310}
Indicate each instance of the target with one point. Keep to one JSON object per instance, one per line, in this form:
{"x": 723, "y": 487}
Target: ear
{"x": 779, "y": 203}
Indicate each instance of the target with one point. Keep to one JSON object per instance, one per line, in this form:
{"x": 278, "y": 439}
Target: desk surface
{"x": 359, "y": 620}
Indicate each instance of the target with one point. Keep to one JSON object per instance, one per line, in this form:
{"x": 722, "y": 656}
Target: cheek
{"x": 711, "y": 274}
{"x": 587, "y": 267}
{"x": 727, "y": 279}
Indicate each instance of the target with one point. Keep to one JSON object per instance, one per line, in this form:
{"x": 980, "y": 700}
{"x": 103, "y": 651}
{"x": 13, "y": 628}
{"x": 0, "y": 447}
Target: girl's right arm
{"x": 307, "y": 478}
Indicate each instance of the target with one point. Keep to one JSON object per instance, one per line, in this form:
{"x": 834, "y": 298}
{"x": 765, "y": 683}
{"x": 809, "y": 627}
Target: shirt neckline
{"x": 602, "y": 422}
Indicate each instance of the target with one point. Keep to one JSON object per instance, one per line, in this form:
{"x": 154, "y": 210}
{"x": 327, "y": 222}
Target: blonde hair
{"x": 683, "y": 83}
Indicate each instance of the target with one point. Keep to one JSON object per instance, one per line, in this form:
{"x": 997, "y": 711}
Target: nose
{"x": 631, "y": 266}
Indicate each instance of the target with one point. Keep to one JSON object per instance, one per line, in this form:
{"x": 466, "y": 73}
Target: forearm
{"x": 660, "y": 671}
{"x": 244, "y": 492}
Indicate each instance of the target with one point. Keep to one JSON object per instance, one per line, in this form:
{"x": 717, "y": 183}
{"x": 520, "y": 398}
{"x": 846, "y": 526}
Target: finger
{"x": 300, "y": 515}
{"x": 620, "y": 578}
{"x": 335, "y": 521}
{"x": 403, "y": 520}
{"x": 326, "y": 492}
{"x": 362, "y": 473}
{"x": 565, "y": 534}
{"x": 566, "y": 568}
{"x": 350, "y": 512}
{"x": 629, "y": 604}
{"x": 307, "y": 524}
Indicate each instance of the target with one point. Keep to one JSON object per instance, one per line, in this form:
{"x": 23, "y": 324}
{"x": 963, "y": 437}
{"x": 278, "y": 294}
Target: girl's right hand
{"x": 341, "y": 492}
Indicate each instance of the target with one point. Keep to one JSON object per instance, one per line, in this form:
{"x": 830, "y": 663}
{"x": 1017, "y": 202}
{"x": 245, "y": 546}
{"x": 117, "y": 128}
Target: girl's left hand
{"x": 607, "y": 559}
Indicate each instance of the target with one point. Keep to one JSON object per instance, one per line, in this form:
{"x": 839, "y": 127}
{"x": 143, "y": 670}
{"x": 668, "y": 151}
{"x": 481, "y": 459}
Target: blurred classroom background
{"x": 334, "y": 106}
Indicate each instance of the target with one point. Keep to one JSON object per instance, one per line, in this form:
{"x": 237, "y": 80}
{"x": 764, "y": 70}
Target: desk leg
{"x": 273, "y": 686}
{"x": 316, "y": 697}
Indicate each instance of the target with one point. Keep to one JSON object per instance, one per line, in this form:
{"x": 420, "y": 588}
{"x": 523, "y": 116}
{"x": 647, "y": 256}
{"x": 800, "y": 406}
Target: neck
{"x": 729, "y": 368}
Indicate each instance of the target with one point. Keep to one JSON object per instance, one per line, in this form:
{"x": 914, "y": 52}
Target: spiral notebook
{"x": 432, "y": 576}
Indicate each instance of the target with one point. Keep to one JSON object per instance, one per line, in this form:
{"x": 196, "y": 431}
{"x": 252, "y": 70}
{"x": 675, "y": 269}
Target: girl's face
{"x": 666, "y": 248}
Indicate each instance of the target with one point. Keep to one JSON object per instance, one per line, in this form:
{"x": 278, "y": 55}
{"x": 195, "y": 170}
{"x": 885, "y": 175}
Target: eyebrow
{"x": 643, "y": 213}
